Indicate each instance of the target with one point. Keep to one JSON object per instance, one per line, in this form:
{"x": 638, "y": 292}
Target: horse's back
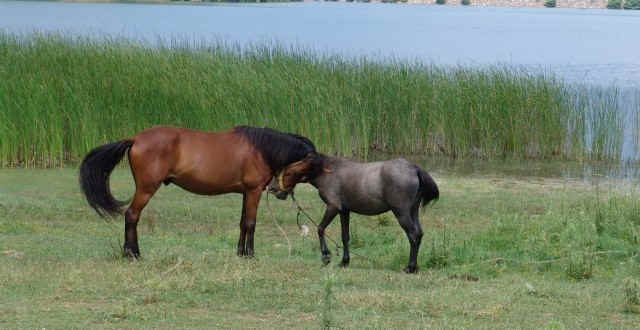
{"x": 199, "y": 161}
{"x": 178, "y": 146}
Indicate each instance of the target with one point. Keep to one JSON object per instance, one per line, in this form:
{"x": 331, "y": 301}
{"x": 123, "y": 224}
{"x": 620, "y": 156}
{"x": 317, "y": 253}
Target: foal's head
{"x": 298, "y": 172}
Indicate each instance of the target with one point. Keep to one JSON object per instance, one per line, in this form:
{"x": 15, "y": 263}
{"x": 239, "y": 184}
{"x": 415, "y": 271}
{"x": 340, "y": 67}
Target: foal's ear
{"x": 308, "y": 158}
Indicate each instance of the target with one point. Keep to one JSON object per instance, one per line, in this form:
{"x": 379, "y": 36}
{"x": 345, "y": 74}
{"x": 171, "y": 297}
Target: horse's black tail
{"x": 94, "y": 176}
{"x": 428, "y": 188}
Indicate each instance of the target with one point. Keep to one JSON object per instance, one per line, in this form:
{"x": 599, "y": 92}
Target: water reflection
{"x": 588, "y": 172}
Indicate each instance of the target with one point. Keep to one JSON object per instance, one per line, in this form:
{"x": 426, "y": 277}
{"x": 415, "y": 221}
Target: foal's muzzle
{"x": 279, "y": 193}
{"x": 275, "y": 187}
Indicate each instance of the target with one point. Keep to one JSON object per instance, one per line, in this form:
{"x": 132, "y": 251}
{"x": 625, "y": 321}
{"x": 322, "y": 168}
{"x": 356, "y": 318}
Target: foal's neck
{"x": 329, "y": 166}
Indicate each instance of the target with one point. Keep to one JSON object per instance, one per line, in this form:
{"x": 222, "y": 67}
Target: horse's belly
{"x": 206, "y": 187}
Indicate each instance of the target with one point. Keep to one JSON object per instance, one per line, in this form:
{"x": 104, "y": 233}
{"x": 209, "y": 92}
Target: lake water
{"x": 597, "y": 47}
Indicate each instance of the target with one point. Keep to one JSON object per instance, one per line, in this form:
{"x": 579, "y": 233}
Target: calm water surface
{"x": 583, "y": 45}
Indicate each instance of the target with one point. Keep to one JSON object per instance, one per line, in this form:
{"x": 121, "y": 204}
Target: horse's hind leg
{"x": 131, "y": 217}
{"x": 409, "y": 221}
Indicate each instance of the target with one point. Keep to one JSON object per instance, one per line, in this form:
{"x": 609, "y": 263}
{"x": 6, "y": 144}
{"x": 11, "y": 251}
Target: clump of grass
{"x": 115, "y": 252}
{"x": 631, "y": 295}
{"x": 384, "y": 220}
{"x": 580, "y": 266}
{"x": 327, "y": 303}
{"x": 438, "y": 254}
{"x": 62, "y": 95}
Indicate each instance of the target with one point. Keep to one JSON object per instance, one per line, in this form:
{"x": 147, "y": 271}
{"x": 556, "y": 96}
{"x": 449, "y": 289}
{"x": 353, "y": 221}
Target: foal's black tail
{"x": 94, "y": 176}
{"x": 428, "y": 189}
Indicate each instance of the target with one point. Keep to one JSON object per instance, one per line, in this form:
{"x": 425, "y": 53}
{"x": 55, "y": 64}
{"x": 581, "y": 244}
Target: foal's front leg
{"x": 329, "y": 214}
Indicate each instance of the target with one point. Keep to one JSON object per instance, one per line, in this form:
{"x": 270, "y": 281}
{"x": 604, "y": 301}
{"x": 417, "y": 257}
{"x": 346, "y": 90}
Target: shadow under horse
{"x": 365, "y": 188}
{"x": 240, "y": 160}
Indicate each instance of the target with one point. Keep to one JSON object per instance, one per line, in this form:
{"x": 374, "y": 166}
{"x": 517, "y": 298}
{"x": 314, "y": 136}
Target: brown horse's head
{"x": 297, "y": 172}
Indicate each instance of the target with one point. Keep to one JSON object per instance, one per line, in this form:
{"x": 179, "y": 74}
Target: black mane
{"x": 277, "y": 148}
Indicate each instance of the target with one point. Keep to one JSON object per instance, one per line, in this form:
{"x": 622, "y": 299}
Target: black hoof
{"x": 245, "y": 255}
{"x": 326, "y": 259}
{"x": 411, "y": 270}
{"x": 130, "y": 253}
{"x": 249, "y": 253}
{"x": 344, "y": 263}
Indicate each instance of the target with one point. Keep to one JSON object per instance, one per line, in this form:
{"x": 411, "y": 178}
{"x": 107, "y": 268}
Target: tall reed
{"x": 61, "y": 95}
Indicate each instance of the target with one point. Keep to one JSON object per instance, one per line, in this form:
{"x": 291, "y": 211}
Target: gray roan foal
{"x": 366, "y": 188}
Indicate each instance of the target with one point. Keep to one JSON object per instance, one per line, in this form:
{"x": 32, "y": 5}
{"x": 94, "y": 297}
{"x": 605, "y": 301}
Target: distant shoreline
{"x": 575, "y": 4}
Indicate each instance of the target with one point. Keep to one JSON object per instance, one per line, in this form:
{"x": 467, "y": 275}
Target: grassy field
{"x": 61, "y": 95}
{"x": 498, "y": 252}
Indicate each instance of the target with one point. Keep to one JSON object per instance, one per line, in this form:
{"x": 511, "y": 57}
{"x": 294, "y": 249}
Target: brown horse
{"x": 240, "y": 160}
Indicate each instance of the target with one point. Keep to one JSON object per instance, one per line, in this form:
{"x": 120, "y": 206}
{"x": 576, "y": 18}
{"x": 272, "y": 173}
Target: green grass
{"x": 61, "y": 95}
{"x": 498, "y": 252}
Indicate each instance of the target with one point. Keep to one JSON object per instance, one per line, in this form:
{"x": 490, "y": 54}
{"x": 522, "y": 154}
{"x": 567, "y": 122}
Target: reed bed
{"x": 61, "y": 95}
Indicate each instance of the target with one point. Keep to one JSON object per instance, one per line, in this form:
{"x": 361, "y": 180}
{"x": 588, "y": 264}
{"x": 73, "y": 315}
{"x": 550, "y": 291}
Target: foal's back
{"x": 369, "y": 188}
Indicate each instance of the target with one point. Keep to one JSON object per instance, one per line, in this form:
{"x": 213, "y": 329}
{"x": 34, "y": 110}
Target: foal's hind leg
{"x": 344, "y": 222}
{"x": 409, "y": 221}
{"x": 131, "y": 217}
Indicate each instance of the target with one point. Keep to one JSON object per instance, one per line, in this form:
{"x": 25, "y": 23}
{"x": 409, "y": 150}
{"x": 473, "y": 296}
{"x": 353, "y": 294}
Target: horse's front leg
{"x": 242, "y": 250}
{"x": 329, "y": 214}
{"x": 344, "y": 222}
{"x": 250, "y": 208}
